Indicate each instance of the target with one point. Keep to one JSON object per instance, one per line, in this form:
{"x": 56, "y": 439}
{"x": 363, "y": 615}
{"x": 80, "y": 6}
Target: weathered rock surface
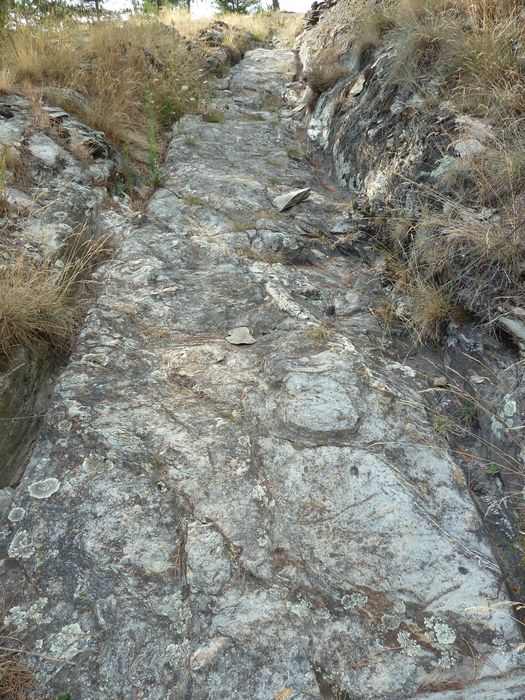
{"x": 63, "y": 206}
{"x": 204, "y": 520}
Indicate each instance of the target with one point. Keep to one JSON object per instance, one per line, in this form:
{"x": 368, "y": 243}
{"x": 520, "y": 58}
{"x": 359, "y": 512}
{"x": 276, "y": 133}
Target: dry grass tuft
{"x": 106, "y": 73}
{"x": 262, "y": 26}
{"x": 213, "y": 116}
{"x": 319, "y": 333}
{"x": 465, "y": 249}
{"x": 327, "y": 72}
{"x": 426, "y": 308}
{"x": 270, "y": 257}
{"x": 37, "y": 297}
{"x": 16, "y": 678}
{"x": 473, "y": 46}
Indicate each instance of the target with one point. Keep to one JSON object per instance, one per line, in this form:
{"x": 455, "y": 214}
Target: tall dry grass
{"x": 262, "y": 26}
{"x": 108, "y": 69}
{"x": 466, "y": 248}
{"x": 38, "y": 298}
{"x": 476, "y": 47}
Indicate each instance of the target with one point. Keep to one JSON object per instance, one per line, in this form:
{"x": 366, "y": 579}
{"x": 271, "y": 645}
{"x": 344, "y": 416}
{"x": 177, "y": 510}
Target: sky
{"x": 205, "y": 8}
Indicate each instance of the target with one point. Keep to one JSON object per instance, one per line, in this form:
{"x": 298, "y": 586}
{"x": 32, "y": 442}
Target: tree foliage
{"x": 240, "y": 6}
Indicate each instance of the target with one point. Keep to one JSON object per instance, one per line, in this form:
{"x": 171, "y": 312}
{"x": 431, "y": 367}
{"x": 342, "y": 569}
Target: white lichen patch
{"x": 301, "y": 607}
{"x": 21, "y": 547}
{"x": 240, "y": 467}
{"x": 260, "y": 495}
{"x": 176, "y": 654}
{"x": 509, "y": 407}
{"x": 499, "y": 642}
{"x": 354, "y": 600}
{"x": 67, "y": 643}
{"x": 496, "y": 426}
{"x": 21, "y": 618}
{"x": 448, "y": 659}
{"x": 440, "y": 632}
{"x": 392, "y": 620}
{"x": 44, "y": 489}
{"x": 16, "y": 515}
{"x": 409, "y": 645}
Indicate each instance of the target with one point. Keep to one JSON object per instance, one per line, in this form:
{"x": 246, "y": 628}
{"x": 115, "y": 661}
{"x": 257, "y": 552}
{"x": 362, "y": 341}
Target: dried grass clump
{"x": 475, "y": 48}
{"x": 423, "y": 305}
{"x": 373, "y": 29}
{"x": 446, "y": 263}
{"x": 16, "y": 678}
{"x": 108, "y": 73}
{"x": 38, "y": 297}
{"x": 111, "y": 65}
{"x": 427, "y": 308}
{"x": 261, "y": 26}
{"x": 466, "y": 251}
{"x": 484, "y": 261}
{"x": 327, "y": 71}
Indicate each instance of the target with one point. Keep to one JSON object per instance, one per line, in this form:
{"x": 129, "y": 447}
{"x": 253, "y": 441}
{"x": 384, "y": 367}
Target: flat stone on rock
{"x": 240, "y": 336}
{"x": 290, "y": 199}
{"x": 46, "y": 150}
{"x": 514, "y": 326}
{"x": 358, "y": 86}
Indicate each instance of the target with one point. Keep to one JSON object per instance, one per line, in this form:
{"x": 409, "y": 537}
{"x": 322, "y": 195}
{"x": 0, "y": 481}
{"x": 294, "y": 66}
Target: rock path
{"x": 267, "y": 520}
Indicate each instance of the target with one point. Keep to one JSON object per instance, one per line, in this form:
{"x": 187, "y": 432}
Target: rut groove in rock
{"x": 248, "y": 521}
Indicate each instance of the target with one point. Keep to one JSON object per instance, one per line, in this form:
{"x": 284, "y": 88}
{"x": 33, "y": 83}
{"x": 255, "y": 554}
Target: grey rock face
{"x": 56, "y": 207}
{"x": 264, "y": 521}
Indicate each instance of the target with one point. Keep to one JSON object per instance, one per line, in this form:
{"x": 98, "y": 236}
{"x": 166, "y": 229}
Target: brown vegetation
{"x": 466, "y": 248}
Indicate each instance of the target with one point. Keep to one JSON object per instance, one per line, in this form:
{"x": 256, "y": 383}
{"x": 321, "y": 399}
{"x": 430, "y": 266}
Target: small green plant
{"x": 468, "y": 413}
{"x": 189, "y": 141}
{"x": 267, "y": 256}
{"x": 444, "y": 425}
{"x": 493, "y": 469}
{"x": 156, "y": 180}
{"x": 194, "y": 199}
{"x": 127, "y": 169}
{"x": 120, "y": 188}
{"x": 295, "y": 152}
{"x": 213, "y": 116}
{"x": 274, "y": 180}
{"x": 242, "y": 225}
